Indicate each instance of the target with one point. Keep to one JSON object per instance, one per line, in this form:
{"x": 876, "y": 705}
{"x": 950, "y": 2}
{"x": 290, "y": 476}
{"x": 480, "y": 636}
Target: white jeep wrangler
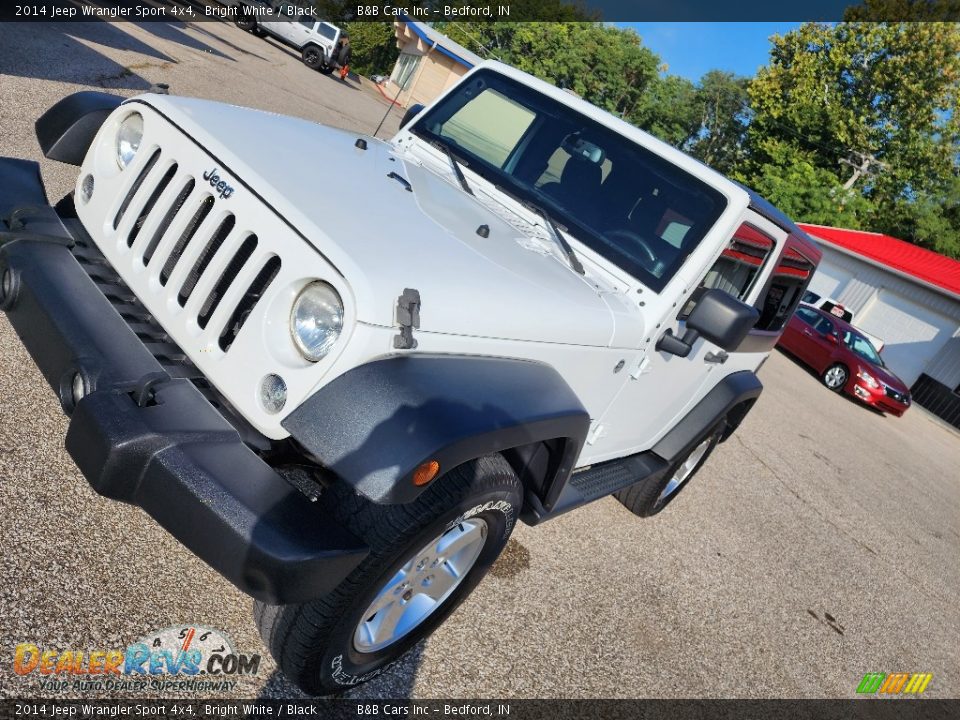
{"x": 295, "y": 26}
{"x": 343, "y": 403}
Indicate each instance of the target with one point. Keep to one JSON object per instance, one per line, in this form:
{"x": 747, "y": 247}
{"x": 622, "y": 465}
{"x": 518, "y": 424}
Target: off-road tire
{"x": 326, "y": 69}
{"x": 248, "y": 24}
{"x": 642, "y": 498}
{"x": 313, "y": 643}
{"x": 313, "y": 57}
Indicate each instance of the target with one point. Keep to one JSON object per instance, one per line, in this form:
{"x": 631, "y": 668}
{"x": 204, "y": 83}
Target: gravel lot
{"x": 821, "y": 542}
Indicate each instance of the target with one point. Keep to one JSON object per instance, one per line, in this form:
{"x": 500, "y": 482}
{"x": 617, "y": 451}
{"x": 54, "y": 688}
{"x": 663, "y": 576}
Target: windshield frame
{"x": 543, "y": 105}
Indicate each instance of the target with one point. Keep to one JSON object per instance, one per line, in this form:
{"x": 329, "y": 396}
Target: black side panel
{"x": 374, "y": 425}
{"x": 66, "y": 130}
{"x": 734, "y": 389}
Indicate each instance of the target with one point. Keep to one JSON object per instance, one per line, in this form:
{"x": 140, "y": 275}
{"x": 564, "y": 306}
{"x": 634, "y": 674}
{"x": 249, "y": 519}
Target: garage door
{"x": 913, "y": 334}
{"x": 829, "y": 280}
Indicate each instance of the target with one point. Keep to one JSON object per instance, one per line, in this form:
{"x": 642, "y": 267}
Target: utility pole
{"x": 862, "y": 164}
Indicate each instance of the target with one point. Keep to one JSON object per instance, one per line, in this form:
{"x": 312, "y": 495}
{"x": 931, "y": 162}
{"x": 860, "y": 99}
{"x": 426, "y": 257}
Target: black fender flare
{"x": 66, "y": 131}
{"x": 376, "y": 424}
{"x": 729, "y": 401}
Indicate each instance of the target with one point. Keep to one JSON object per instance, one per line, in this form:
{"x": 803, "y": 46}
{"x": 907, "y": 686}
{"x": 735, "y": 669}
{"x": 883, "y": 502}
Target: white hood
{"x": 384, "y": 238}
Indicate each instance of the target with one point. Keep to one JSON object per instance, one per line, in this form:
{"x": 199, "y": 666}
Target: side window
{"x": 787, "y": 285}
{"x": 808, "y": 316}
{"x": 738, "y": 266}
{"x": 327, "y": 30}
{"x": 489, "y": 127}
{"x": 307, "y": 22}
{"x": 810, "y": 297}
{"x": 825, "y": 327}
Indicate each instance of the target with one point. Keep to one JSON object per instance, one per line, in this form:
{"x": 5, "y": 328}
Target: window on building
{"x": 403, "y": 71}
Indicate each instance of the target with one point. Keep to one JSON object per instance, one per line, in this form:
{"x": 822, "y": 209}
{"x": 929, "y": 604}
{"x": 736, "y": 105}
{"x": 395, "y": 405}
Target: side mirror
{"x": 410, "y": 114}
{"x": 832, "y": 339}
{"x": 718, "y": 317}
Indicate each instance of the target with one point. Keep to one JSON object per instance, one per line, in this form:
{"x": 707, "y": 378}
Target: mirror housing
{"x": 718, "y": 317}
{"x": 410, "y": 114}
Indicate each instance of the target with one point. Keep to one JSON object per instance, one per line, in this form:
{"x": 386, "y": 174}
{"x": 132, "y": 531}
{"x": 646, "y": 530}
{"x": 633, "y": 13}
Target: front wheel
{"x": 425, "y": 558}
{"x": 835, "y": 377}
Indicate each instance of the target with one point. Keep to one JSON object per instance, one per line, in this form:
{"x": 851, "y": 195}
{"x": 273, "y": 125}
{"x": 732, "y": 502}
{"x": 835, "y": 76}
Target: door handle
{"x": 720, "y": 357}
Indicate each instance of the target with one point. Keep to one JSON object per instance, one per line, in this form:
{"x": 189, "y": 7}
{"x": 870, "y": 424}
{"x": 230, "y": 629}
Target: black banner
{"x": 865, "y": 709}
{"x": 478, "y": 10}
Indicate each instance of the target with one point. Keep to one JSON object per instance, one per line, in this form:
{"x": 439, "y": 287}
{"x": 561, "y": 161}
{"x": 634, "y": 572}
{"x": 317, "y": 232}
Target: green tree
{"x": 724, "y": 112}
{"x": 374, "y": 47}
{"x": 875, "y": 107}
{"x": 607, "y": 66}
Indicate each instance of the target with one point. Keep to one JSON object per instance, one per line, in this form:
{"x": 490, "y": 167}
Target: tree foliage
{"x": 870, "y": 105}
{"x": 374, "y": 47}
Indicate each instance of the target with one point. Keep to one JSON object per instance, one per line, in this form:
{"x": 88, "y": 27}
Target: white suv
{"x": 344, "y": 402}
{"x": 297, "y": 27}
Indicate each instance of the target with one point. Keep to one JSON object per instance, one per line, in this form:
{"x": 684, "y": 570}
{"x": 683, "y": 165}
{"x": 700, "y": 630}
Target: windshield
{"x": 638, "y": 210}
{"x": 862, "y": 347}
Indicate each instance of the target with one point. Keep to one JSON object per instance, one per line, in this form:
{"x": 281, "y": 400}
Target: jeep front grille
{"x": 217, "y": 271}
{"x": 184, "y": 240}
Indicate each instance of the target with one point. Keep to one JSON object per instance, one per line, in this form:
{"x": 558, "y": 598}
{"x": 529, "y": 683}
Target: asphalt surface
{"x": 821, "y": 542}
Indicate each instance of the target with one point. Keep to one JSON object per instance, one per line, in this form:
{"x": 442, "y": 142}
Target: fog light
{"x": 273, "y": 393}
{"x": 78, "y": 388}
{"x": 86, "y": 189}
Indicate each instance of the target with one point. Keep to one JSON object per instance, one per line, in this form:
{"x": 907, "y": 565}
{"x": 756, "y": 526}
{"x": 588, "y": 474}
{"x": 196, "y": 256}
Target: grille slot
{"x": 230, "y": 272}
{"x": 151, "y": 202}
{"x": 248, "y": 302}
{"x": 188, "y": 232}
{"x": 167, "y": 219}
{"x": 206, "y": 256}
{"x": 135, "y": 188}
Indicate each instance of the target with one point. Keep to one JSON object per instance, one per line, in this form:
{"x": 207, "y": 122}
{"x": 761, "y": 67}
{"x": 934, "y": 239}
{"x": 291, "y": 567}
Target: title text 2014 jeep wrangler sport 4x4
{"x": 344, "y": 403}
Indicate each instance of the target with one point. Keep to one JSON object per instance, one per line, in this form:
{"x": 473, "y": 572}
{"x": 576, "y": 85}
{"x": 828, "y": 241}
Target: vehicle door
{"x": 290, "y": 27}
{"x": 664, "y": 387}
{"x": 823, "y": 343}
{"x": 799, "y": 333}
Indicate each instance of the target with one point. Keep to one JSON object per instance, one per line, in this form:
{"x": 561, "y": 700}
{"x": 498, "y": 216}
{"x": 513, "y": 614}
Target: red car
{"x": 844, "y": 359}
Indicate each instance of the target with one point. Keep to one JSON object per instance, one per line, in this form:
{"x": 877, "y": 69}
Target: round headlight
{"x": 129, "y": 136}
{"x": 316, "y": 320}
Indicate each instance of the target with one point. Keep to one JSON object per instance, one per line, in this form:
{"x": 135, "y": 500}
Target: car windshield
{"x": 862, "y": 347}
{"x": 638, "y": 210}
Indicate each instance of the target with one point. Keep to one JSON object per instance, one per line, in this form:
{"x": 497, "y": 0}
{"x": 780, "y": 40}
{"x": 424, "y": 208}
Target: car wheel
{"x": 835, "y": 377}
{"x": 313, "y": 57}
{"x": 647, "y": 498}
{"x": 246, "y": 24}
{"x": 425, "y": 558}
{"x": 326, "y": 69}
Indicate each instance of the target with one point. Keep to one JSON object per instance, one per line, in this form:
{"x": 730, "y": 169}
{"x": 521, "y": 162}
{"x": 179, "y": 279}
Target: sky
{"x": 691, "y": 49}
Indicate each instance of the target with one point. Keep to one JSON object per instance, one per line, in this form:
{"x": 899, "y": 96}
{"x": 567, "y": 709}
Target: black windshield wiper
{"x": 454, "y": 163}
{"x": 557, "y": 236}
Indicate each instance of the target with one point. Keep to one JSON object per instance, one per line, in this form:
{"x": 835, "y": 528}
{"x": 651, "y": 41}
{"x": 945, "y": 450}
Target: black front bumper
{"x": 146, "y": 438}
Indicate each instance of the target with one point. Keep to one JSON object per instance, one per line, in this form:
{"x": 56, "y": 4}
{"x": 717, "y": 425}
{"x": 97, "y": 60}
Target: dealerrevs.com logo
{"x": 178, "y": 658}
{"x": 889, "y": 684}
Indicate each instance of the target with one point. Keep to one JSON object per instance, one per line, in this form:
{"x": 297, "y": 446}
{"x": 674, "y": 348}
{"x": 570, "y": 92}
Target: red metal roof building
{"x": 917, "y": 262}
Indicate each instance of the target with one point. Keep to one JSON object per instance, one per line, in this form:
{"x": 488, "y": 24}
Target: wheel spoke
{"x": 441, "y": 582}
{"x": 457, "y": 539}
{"x": 383, "y": 627}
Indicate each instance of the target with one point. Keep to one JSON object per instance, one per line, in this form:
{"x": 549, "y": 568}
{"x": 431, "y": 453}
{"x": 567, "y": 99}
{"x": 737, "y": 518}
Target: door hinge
{"x": 719, "y": 357}
{"x": 596, "y": 432}
{"x": 408, "y": 318}
{"x": 642, "y": 368}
